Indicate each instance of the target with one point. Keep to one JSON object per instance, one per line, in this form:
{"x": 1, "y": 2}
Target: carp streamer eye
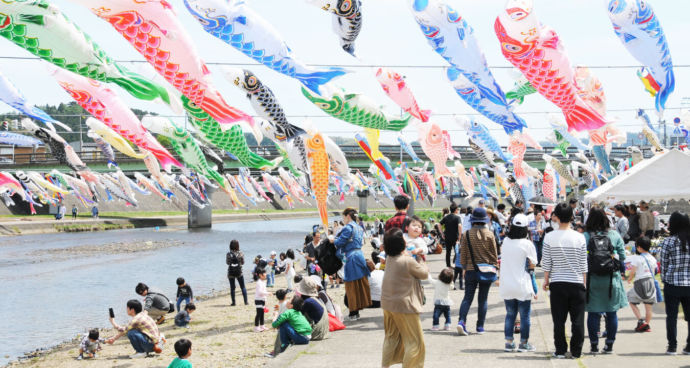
{"x": 511, "y": 48}
{"x": 323, "y": 105}
{"x": 251, "y": 81}
{"x": 345, "y": 5}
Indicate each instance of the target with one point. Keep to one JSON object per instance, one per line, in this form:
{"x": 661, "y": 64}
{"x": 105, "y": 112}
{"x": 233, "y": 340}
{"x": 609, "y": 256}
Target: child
{"x": 280, "y": 264}
{"x": 90, "y": 344}
{"x": 289, "y": 268}
{"x": 293, "y": 326}
{"x": 184, "y": 293}
{"x": 281, "y": 296}
{"x": 271, "y": 270}
{"x": 182, "y": 318}
{"x": 643, "y": 291}
{"x": 183, "y": 348}
{"x": 260, "y": 295}
{"x": 416, "y": 245}
{"x": 457, "y": 271}
{"x": 442, "y": 301}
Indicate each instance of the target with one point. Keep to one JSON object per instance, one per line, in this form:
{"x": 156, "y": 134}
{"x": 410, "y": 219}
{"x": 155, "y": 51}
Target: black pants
{"x": 240, "y": 281}
{"x": 674, "y": 296}
{"x": 450, "y": 245}
{"x": 568, "y": 299}
{"x": 457, "y": 273}
{"x": 259, "y": 318}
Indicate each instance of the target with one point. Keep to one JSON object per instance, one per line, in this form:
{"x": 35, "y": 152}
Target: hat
{"x": 308, "y": 287}
{"x": 479, "y": 215}
{"x": 520, "y": 220}
{"x": 316, "y": 279}
{"x": 382, "y": 255}
{"x": 273, "y": 253}
{"x": 481, "y": 202}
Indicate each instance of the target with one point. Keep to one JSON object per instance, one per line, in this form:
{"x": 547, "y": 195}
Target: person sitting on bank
{"x": 156, "y": 304}
{"x": 141, "y": 331}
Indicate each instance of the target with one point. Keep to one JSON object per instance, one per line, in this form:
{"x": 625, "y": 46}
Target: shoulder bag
{"x": 657, "y": 287}
{"x": 487, "y": 272}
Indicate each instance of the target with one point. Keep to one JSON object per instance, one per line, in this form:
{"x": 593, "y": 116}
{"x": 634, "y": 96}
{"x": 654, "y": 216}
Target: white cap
{"x": 273, "y": 253}
{"x": 520, "y": 220}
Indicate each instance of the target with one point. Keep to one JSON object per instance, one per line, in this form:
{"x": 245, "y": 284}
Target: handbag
{"x": 657, "y": 287}
{"x": 487, "y": 272}
{"x": 334, "y": 324}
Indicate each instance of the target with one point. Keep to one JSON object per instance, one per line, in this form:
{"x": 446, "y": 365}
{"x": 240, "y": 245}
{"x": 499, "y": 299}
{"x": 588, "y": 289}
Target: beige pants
{"x": 404, "y": 341}
{"x": 155, "y": 313}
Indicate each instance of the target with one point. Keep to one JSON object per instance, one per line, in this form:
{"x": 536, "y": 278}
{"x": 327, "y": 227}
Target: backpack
{"x": 234, "y": 265}
{"x": 600, "y": 258}
{"x": 327, "y": 259}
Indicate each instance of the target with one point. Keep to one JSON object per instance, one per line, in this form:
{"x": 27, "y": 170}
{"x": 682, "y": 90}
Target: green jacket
{"x": 296, "y": 320}
{"x": 599, "y": 300}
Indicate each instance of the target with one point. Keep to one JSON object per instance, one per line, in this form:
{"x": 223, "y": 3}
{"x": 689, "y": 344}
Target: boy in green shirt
{"x": 293, "y": 326}
{"x": 183, "y": 348}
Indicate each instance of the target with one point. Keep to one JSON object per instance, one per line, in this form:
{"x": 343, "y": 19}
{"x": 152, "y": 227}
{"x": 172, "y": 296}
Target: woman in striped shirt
{"x": 564, "y": 262}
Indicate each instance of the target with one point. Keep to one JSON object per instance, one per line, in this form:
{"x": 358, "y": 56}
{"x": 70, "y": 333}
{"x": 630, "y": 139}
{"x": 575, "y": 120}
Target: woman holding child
{"x": 349, "y": 244}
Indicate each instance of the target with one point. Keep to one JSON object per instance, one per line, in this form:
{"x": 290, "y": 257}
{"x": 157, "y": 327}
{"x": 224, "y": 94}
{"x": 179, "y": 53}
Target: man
{"x": 646, "y": 220}
{"x": 482, "y": 204}
{"x": 310, "y": 252}
{"x": 74, "y": 212}
{"x": 401, "y": 203}
{"x": 501, "y": 215}
{"x": 156, "y": 305}
{"x": 564, "y": 262}
{"x": 621, "y": 221}
{"x": 141, "y": 330}
{"x": 451, "y": 230}
{"x": 94, "y": 212}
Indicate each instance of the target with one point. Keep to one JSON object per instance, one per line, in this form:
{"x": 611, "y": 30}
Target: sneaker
{"x": 257, "y": 329}
{"x": 526, "y": 348}
{"x": 558, "y": 356}
{"x": 332, "y": 286}
{"x": 353, "y": 318}
{"x": 462, "y": 331}
{"x": 639, "y": 323}
{"x": 594, "y": 349}
{"x": 434, "y": 328}
{"x": 270, "y": 354}
{"x": 516, "y": 330}
{"x": 686, "y": 350}
{"x": 446, "y": 327}
{"x": 80, "y": 357}
{"x": 671, "y": 350}
{"x": 480, "y": 330}
{"x": 608, "y": 349}
{"x": 138, "y": 356}
{"x": 510, "y": 347}
{"x": 337, "y": 286}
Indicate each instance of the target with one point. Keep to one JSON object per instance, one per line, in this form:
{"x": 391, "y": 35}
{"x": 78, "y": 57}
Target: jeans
{"x": 673, "y": 296}
{"x": 471, "y": 284}
{"x": 140, "y": 342}
{"x": 568, "y": 299}
{"x": 539, "y": 245}
{"x": 240, "y": 281}
{"x": 593, "y": 322}
{"x": 450, "y": 245}
{"x": 271, "y": 278}
{"x": 186, "y": 300}
{"x": 438, "y": 311}
{"x": 288, "y": 336}
{"x": 513, "y": 306}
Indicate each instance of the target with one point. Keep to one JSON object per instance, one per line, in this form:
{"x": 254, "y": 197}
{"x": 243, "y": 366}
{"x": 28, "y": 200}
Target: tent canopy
{"x": 663, "y": 177}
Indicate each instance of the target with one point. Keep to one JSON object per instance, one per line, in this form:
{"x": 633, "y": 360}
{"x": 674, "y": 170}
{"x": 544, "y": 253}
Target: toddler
{"x": 260, "y": 295}
{"x": 182, "y": 318}
{"x": 183, "y": 348}
{"x": 416, "y": 245}
{"x": 271, "y": 270}
{"x": 442, "y": 301}
{"x": 278, "y": 309}
{"x": 184, "y": 293}
{"x": 90, "y": 344}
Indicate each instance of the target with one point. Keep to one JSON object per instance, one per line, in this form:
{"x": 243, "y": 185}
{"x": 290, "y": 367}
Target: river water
{"x": 47, "y": 298}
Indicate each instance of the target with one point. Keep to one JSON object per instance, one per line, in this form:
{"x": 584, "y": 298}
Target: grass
{"x": 74, "y": 228}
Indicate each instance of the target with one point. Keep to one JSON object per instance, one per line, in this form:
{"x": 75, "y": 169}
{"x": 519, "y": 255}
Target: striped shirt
{"x": 564, "y": 256}
{"x": 483, "y": 247}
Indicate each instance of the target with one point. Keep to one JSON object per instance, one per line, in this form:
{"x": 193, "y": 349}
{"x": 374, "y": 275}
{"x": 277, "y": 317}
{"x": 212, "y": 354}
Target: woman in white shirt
{"x": 518, "y": 259}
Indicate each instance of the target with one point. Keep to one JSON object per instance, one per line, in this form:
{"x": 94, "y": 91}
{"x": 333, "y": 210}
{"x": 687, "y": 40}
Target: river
{"x": 50, "y": 297}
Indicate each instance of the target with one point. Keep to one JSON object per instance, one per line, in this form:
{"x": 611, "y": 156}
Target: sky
{"x": 390, "y": 37}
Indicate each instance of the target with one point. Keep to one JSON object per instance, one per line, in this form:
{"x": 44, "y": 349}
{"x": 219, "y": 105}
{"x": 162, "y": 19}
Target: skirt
{"x": 358, "y": 294}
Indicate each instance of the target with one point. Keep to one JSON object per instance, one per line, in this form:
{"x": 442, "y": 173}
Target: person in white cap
{"x": 271, "y": 270}
{"x": 518, "y": 259}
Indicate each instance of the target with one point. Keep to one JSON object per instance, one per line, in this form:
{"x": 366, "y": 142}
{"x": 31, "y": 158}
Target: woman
{"x": 401, "y": 301}
{"x": 235, "y": 260}
{"x": 349, "y": 244}
{"x": 478, "y": 247}
{"x": 675, "y": 263}
{"x": 518, "y": 260}
{"x": 313, "y": 308}
{"x": 605, "y": 293}
{"x": 290, "y": 269}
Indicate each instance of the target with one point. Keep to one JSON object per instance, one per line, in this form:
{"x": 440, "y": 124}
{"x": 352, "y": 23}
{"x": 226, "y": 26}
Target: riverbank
{"x": 222, "y": 336}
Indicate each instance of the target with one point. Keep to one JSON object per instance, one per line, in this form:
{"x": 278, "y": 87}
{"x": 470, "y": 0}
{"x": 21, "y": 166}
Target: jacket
{"x": 599, "y": 300}
{"x": 349, "y": 243}
{"x": 155, "y": 299}
{"x": 401, "y": 291}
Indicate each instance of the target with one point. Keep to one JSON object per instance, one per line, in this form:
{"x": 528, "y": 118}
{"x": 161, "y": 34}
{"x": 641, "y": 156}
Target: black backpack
{"x": 327, "y": 259}
{"x": 234, "y": 265}
{"x": 600, "y": 258}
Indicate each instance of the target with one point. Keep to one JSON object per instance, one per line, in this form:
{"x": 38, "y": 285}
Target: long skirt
{"x": 404, "y": 341}
{"x": 358, "y": 294}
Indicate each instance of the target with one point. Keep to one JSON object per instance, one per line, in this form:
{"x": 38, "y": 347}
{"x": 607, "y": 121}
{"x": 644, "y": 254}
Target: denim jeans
{"x": 471, "y": 284}
{"x": 513, "y": 307}
{"x": 441, "y": 310}
{"x": 271, "y": 278}
{"x": 181, "y": 299}
{"x": 675, "y": 295}
{"x": 140, "y": 342}
{"x": 288, "y": 336}
{"x": 593, "y": 323}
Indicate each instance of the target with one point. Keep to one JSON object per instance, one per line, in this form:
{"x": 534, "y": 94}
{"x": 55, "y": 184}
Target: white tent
{"x": 662, "y": 177}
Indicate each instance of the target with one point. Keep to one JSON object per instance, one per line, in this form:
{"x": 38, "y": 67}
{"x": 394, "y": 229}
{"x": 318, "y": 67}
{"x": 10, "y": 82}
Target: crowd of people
{"x": 586, "y": 256}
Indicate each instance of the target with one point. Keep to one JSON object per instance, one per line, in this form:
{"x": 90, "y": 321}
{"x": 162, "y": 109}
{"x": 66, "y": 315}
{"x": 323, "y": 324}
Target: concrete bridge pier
{"x": 198, "y": 218}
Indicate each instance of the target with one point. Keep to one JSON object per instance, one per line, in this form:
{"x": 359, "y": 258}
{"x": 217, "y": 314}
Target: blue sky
{"x": 389, "y": 37}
